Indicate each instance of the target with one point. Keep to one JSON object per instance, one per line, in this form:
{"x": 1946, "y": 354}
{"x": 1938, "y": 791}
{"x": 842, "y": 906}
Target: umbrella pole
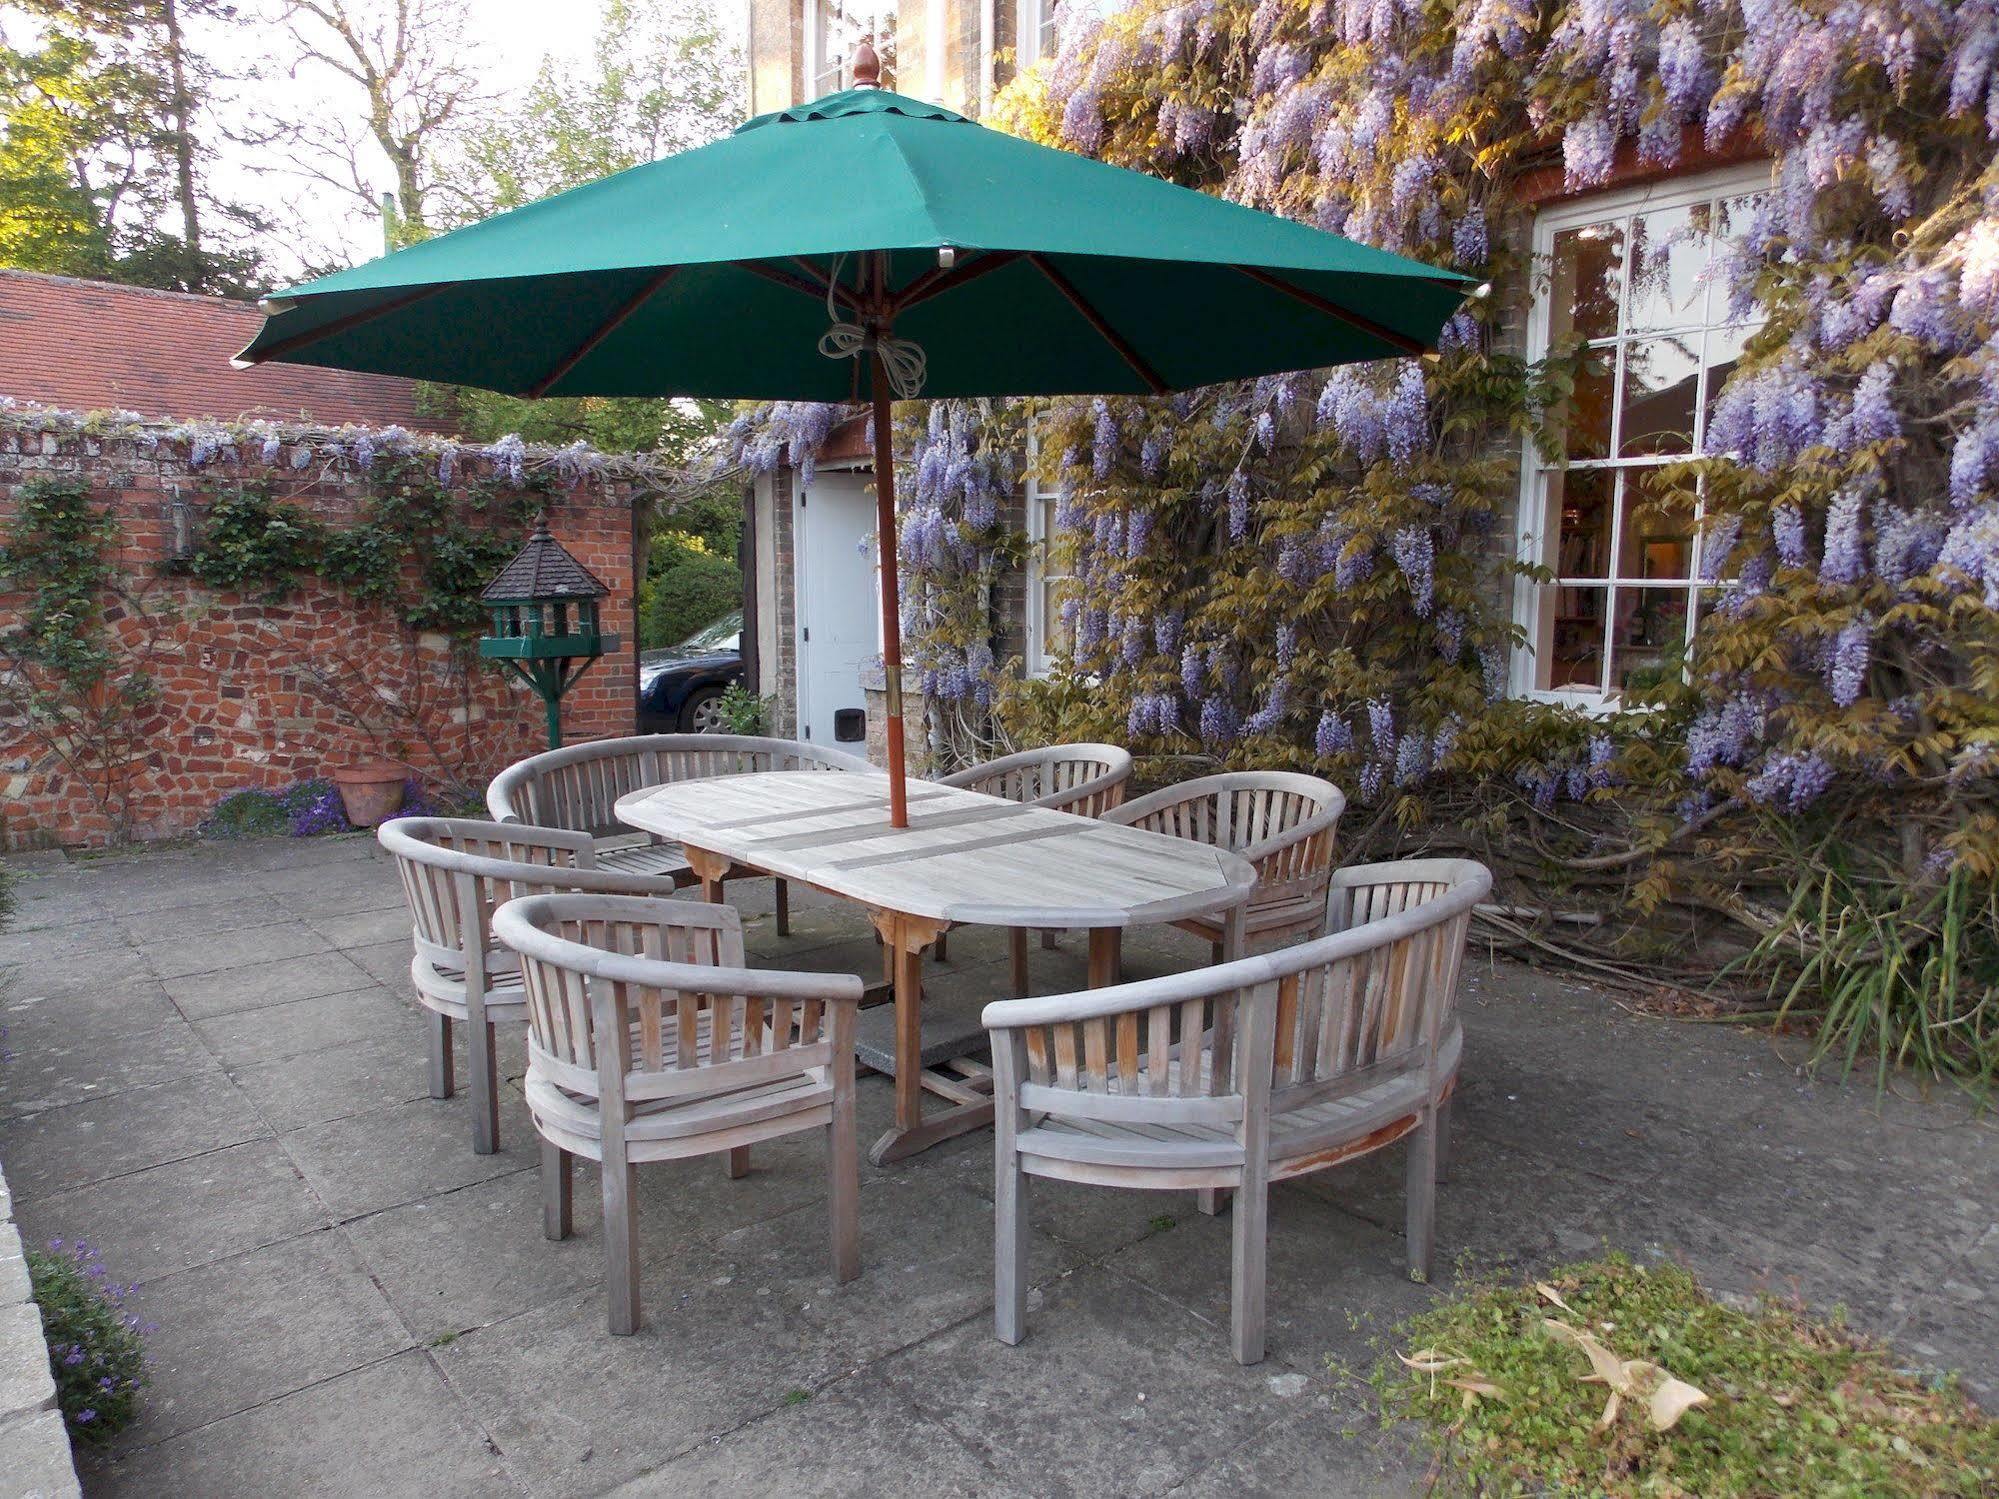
{"x": 898, "y": 790}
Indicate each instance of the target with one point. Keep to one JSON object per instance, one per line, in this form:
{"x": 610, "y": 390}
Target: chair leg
{"x": 784, "y": 908}
{"x": 437, "y": 1039}
{"x": 1247, "y": 1260}
{"x": 1016, "y": 950}
{"x": 739, "y": 1163}
{"x": 1444, "y": 1141}
{"x": 558, "y": 1191}
{"x": 1211, "y": 1200}
{"x": 485, "y": 1066}
{"x": 1217, "y": 951}
{"x": 843, "y": 1193}
{"x": 621, "y": 1246}
{"x": 1421, "y": 1186}
{"x": 1009, "y": 1249}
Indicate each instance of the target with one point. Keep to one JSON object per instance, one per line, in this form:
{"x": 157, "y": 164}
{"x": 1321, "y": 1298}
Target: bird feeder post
{"x": 534, "y": 634}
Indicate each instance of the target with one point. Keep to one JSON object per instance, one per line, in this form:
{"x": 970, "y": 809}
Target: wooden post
{"x": 898, "y": 791}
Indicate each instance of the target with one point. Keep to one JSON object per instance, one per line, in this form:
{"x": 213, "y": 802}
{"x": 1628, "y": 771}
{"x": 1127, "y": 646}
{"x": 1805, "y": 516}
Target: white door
{"x": 838, "y": 607}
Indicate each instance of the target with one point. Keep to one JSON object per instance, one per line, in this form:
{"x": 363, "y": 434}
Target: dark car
{"x": 681, "y": 686}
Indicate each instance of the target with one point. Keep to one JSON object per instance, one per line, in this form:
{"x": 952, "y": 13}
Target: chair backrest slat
{"x": 1086, "y": 779}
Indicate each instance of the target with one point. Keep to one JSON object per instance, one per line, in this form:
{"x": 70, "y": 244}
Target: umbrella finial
{"x": 867, "y": 66}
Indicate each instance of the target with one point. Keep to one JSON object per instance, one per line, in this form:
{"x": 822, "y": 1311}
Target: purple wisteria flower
{"x": 1415, "y": 554}
{"x": 1845, "y": 552}
{"x": 1725, "y": 734}
{"x": 1218, "y": 722}
{"x": 1787, "y": 530}
{"x": 1846, "y": 662}
{"x": 1790, "y": 782}
{"x": 1371, "y": 775}
{"x": 1334, "y": 736}
{"x": 1381, "y": 725}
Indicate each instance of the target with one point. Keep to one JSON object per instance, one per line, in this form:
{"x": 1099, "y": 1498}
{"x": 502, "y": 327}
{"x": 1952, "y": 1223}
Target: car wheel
{"x": 702, "y": 713}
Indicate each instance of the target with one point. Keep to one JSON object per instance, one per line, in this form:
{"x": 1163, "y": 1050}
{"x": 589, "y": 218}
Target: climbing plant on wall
{"x": 79, "y": 692}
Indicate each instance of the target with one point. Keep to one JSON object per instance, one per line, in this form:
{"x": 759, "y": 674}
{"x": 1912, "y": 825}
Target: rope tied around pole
{"x": 902, "y": 359}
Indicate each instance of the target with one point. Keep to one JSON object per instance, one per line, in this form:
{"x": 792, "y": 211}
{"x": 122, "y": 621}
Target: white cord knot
{"x": 902, "y": 359}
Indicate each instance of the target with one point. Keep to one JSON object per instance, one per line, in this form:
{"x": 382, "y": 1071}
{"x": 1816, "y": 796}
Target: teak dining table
{"x": 965, "y": 859}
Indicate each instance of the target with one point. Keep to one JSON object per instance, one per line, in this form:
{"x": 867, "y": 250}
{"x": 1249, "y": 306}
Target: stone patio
{"x": 214, "y": 1072}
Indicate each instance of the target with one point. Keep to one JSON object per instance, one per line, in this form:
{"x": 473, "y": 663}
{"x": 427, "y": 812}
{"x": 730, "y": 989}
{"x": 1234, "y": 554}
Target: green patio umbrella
{"x": 864, "y": 247}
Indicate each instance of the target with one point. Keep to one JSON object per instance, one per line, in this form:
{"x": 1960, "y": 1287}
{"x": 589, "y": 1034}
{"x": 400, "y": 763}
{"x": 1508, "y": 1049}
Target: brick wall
{"x": 241, "y": 701}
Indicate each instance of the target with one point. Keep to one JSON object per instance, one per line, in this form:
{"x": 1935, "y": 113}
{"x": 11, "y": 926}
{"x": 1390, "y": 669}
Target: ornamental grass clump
{"x": 96, "y": 1345}
{"x": 1608, "y": 1378}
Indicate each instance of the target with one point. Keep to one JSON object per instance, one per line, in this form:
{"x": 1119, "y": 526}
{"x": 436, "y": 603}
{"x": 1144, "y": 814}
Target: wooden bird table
{"x": 964, "y": 858}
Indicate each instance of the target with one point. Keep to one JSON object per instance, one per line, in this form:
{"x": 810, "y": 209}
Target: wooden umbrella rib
{"x": 935, "y": 283}
{"x": 285, "y": 346}
{"x": 1332, "y": 309}
{"x": 796, "y": 283}
{"x": 603, "y": 331}
{"x": 1097, "y": 321}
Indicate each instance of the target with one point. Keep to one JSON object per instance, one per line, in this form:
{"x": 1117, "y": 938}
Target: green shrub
{"x": 741, "y": 711}
{"x": 96, "y": 1347}
{"x": 1500, "y": 1375}
{"x": 687, "y": 585}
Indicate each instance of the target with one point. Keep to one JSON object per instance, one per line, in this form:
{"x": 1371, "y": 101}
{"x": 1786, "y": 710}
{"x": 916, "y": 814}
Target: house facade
{"x": 1629, "y": 267}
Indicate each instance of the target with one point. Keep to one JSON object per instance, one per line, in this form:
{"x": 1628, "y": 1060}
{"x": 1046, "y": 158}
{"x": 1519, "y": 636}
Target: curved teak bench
{"x": 577, "y": 787}
{"x": 1240, "y": 1075}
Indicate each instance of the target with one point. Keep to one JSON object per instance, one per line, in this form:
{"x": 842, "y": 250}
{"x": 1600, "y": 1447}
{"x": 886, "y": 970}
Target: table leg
{"x": 1106, "y": 955}
{"x": 904, "y": 938}
{"x": 709, "y": 869}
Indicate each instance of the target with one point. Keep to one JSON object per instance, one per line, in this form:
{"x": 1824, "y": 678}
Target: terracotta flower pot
{"x": 370, "y": 790}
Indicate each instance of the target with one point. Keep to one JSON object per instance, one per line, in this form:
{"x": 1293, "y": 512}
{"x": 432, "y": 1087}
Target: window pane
{"x": 1587, "y": 276}
{"x": 1650, "y": 638}
{"x": 1661, "y": 381}
{"x": 1733, "y": 217}
{"x": 1570, "y": 640}
{"x": 1578, "y": 522}
{"x": 1585, "y": 421}
{"x": 1054, "y": 629}
{"x": 839, "y": 26}
{"x": 1669, "y": 254}
{"x": 1724, "y": 350}
{"x": 1658, "y": 540}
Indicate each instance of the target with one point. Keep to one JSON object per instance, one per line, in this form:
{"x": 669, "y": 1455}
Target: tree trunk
{"x": 194, "y": 277}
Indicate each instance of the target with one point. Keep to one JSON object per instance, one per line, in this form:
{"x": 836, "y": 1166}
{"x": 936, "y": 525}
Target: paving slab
{"x": 174, "y": 923}
{"x": 419, "y": 1252}
{"x": 856, "y": 1436}
{"x": 50, "y": 1066}
{"x": 1332, "y": 1447}
{"x": 272, "y": 1033}
{"x": 63, "y": 1148}
{"x": 196, "y": 951}
{"x": 1336, "y": 1284}
{"x": 256, "y": 986}
{"x": 386, "y": 1157}
{"x": 577, "y": 1410}
{"x": 336, "y": 1082}
{"x": 1115, "y": 1389}
{"x": 239, "y": 1332}
{"x": 387, "y": 1431}
{"x": 171, "y": 1217}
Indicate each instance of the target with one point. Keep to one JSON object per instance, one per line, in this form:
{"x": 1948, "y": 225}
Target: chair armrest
{"x": 1143, "y": 994}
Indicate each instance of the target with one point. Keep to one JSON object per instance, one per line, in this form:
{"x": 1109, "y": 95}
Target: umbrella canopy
{"x": 813, "y": 253}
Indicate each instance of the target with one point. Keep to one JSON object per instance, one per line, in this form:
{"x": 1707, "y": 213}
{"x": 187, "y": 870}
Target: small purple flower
{"x": 1381, "y": 724}
{"x": 1791, "y": 782}
{"x": 1787, "y": 529}
{"x": 1371, "y": 775}
{"x": 1845, "y": 556}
